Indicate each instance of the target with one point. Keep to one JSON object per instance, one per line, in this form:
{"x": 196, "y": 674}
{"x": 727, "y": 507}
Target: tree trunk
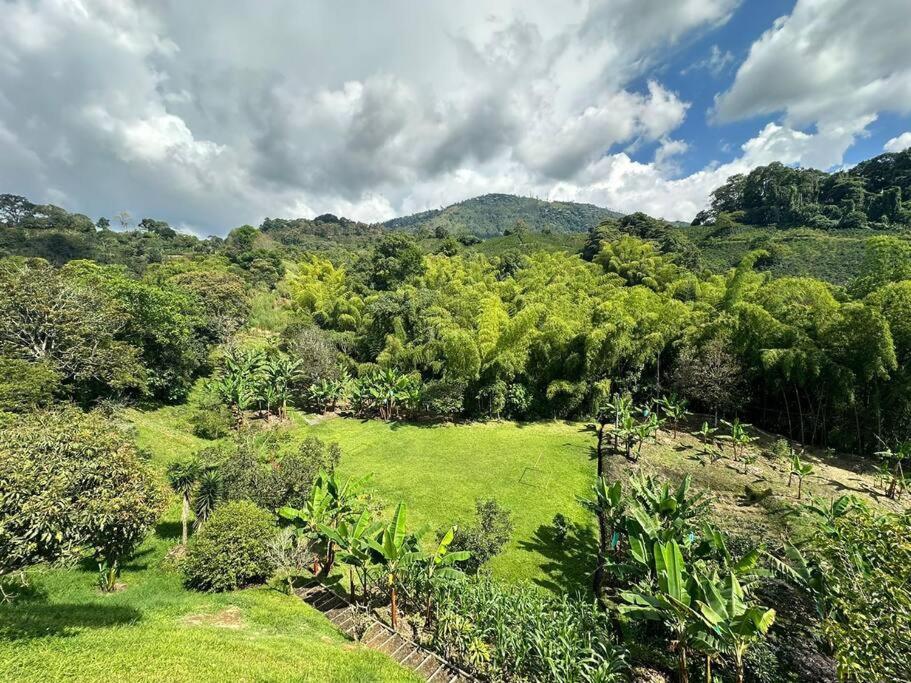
{"x": 800, "y": 414}
{"x": 598, "y": 578}
{"x": 682, "y": 670}
{"x": 599, "y": 449}
{"x": 799, "y": 487}
{"x": 185, "y": 518}
{"x": 394, "y": 606}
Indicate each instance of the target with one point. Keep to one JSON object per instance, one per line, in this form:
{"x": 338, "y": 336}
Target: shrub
{"x": 25, "y": 386}
{"x": 486, "y": 537}
{"x": 232, "y": 550}
{"x": 518, "y": 632}
{"x": 282, "y": 479}
{"x": 212, "y": 423}
{"x": 69, "y": 483}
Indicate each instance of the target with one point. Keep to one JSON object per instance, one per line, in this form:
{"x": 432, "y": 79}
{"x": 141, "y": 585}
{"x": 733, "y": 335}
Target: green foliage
{"x": 779, "y": 195}
{"x": 493, "y": 214}
{"x": 486, "y": 537}
{"x": 25, "y": 386}
{"x": 505, "y": 631}
{"x": 272, "y": 480}
{"x": 232, "y": 550}
{"x": 70, "y": 483}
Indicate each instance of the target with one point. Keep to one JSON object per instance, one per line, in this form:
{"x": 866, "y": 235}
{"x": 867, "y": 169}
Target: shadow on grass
{"x": 169, "y": 530}
{"x": 132, "y": 563}
{"x": 31, "y": 619}
{"x": 570, "y": 560}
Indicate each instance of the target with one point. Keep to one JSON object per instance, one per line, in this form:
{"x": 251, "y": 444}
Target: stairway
{"x": 380, "y": 637}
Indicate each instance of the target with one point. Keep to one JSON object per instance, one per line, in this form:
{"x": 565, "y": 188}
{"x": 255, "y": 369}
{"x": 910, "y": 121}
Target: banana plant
{"x": 352, "y": 539}
{"x": 806, "y": 574}
{"x": 706, "y": 435}
{"x": 893, "y": 466}
{"x": 608, "y": 505}
{"x": 735, "y": 622}
{"x": 675, "y": 409}
{"x": 330, "y": 502}
{"x": 800, "y": 470}
{"x": 672, "y": 603}
{"x": 395, "y": 550}
{"x": 439, "y": 564}
{"x": 739, "y": 437}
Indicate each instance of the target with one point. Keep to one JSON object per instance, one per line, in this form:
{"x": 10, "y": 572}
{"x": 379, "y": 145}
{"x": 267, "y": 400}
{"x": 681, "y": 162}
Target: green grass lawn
{"x": 534, "y": 470}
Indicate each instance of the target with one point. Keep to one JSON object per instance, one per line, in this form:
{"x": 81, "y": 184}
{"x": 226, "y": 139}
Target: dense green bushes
{"x": 519, "y": 632}
{"x": 232, "y": 549}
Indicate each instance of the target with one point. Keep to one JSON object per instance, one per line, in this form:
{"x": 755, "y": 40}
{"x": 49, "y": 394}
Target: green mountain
{"x": 496, "y": 214}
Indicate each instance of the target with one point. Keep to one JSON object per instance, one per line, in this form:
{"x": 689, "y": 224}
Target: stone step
{"x": 378, "y": 636}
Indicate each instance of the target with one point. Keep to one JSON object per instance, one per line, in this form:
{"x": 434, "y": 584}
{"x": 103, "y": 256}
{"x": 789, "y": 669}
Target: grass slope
{"x": 62, "y": 628}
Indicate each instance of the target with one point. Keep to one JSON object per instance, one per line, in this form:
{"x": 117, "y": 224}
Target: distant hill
{"x": 494, "y": 214}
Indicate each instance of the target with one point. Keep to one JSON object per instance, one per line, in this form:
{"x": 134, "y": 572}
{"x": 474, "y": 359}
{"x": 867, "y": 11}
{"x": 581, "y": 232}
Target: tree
{"x": 72, "y": 484}
{"x": 15, "y": 209}
{"x": 395, "y": 549}
{"x": 711, "y": 375}
{"x": 25, "y": 386}
{"x": 182, "y": 477}
{"x": 394, "y": 260}
{"x": 50, "y": 316}
{"x": 124, "y": 219}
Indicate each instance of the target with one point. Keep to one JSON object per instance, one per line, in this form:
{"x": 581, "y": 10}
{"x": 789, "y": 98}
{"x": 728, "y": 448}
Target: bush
{"x": 212, "y": 423}
{"x": 282, "y": 479}
{"x": 486, "y": 537}
{"x": 25, "y": 386}
{"x": 70, "y": 483}
{"x": 232, "y": 550}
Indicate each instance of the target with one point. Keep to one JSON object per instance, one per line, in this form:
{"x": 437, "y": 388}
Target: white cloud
{"x": 289, "y": 108}
{"x": 715, "y": 63}
{"x": 829, "y": 60}
{"x": 898, "y": 143}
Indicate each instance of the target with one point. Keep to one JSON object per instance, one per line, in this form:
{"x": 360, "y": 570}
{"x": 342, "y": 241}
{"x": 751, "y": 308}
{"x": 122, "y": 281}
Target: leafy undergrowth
{"x": 63, "y": 628}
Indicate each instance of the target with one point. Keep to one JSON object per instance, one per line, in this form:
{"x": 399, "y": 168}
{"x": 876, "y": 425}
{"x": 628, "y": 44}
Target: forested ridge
{"x": 698, "y": 353}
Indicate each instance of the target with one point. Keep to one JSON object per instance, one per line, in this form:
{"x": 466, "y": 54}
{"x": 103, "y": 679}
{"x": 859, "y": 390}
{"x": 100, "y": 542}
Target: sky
{"x": 213, "y": 115}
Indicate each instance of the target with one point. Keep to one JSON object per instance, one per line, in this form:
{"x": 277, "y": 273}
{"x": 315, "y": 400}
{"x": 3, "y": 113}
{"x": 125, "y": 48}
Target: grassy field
{"x": 64, "y": 629}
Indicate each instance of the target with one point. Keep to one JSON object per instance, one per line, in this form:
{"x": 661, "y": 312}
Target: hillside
{"x": 494, "y": 214}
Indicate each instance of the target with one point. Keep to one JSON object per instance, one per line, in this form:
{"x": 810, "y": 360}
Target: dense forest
{"x": 422, "y": 322}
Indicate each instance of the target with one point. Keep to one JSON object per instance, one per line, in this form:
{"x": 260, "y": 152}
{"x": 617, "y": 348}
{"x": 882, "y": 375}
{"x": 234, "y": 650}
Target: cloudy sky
{"x": 211, "y": 115}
